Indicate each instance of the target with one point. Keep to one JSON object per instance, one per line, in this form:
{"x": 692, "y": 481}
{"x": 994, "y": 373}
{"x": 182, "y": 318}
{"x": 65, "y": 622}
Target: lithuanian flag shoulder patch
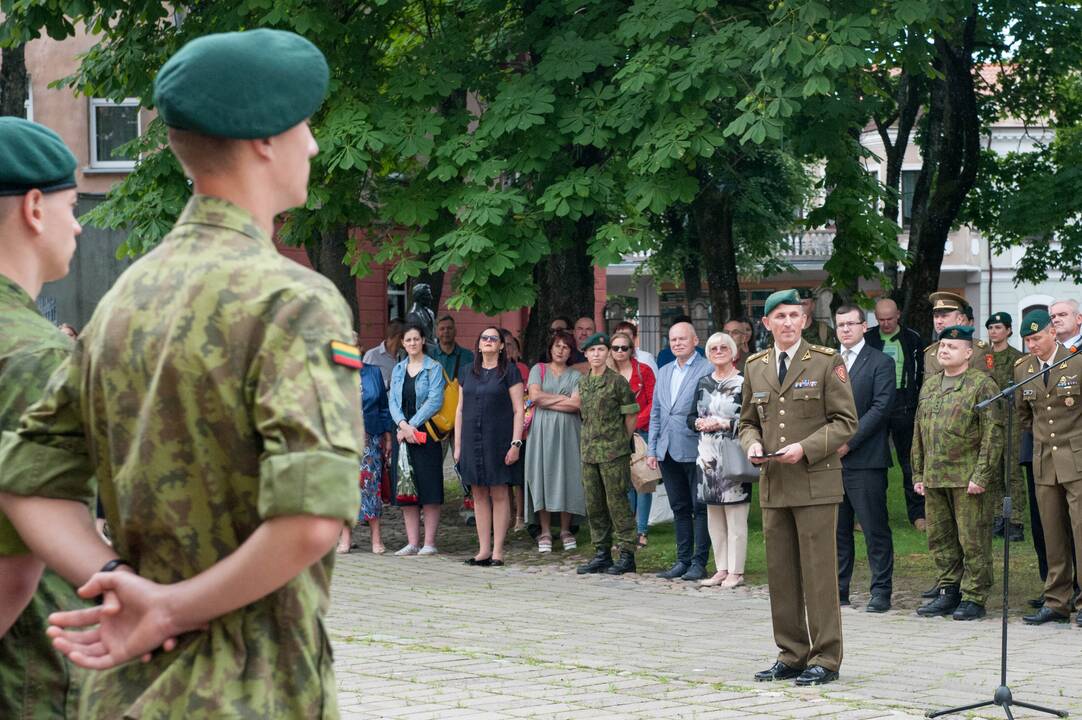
{"x": 345, "y": 354}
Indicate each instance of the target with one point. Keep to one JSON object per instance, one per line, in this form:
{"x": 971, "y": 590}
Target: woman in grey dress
{"x": 553, "y": 466}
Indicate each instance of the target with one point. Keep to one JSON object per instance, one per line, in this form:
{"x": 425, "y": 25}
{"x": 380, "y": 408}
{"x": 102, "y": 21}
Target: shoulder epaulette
{"x": 931, "y": 346}
{"x": 821, "y": 349}
{"x": 757, "y": 355}
{"x": 1020, "y": 360}
{"x": 981, "y": 343}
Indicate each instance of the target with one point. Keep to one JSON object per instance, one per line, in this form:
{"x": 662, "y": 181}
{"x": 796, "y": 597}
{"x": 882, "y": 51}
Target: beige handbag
{"x": 642, "y": 477}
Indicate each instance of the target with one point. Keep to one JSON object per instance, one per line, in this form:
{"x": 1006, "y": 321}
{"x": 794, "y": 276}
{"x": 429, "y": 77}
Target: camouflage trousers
{"x": 36, "y": 682}
{"x": 610, "y": 516}
{"x": 996, "y": 488}
{"x": 960, "y": 540}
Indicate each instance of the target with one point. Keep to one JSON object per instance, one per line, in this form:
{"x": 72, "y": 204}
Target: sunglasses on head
{"x": 490, "y": 338}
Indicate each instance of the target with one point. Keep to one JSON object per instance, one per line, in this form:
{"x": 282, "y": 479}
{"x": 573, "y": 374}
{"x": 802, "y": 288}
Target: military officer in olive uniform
{"x": 948, "y": 309}
{"x": 956, "y": 449}
{"x": 798, "y": 406}
{"x": 214, "y": 398}
{"x": 999, "y": 326}
{"x": 609, "y": 412}
{"x": 1050, "y": 406}
{"x": 37, "y": 241}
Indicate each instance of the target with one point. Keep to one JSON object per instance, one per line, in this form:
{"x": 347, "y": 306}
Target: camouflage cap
{"x": 957, "y": 332}
{"x": 781, "y": 297}
{"x": 1035, "y": 321}
{"x": 242, "y": 85}
{"x": 33, "y": 157}
{"x": 999, "y": 317}
{"x": 947, "y": 301}
{"x": 599, "y": 338}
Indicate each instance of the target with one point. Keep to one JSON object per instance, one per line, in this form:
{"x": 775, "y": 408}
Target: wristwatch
{"x": 516, "y": 444}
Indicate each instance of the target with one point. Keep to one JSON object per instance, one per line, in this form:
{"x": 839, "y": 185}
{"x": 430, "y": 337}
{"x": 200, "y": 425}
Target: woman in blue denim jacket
{"x": 417, "y": 385}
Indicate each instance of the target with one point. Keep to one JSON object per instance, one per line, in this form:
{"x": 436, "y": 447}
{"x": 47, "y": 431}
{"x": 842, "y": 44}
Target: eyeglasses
{"x": 490, "y": 338}
{"x": 620, "y": 348}
{"x": 847, "y": 325}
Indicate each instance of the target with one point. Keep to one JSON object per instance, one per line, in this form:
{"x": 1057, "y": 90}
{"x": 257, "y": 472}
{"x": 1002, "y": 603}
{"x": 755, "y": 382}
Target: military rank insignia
{"x": 345, "y": 354}
{"x": 840, "y": 371}
{"x": 1033, "y": 327}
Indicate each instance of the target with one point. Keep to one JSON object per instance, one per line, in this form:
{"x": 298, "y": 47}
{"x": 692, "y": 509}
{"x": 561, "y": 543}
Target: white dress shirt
{"x": 790, "y": 353}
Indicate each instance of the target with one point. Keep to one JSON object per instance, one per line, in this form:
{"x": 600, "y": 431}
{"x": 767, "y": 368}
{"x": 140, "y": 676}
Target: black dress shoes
{"x": 968, "y": 610}
{"x": 879, "y": 603}
{"x": 695, "y": 572}
{"x": 1036, "y": 603}
{"x": 816, "y": 675}
{"x": 674, "y": 572}
{"x": 930, "y": 592}
{"x": 778, "y": 671}
{"x": 1045, "y": 615}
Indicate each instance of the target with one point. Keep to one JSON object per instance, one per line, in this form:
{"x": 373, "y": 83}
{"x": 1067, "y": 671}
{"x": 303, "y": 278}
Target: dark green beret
{"x": 599, "y": 338}
{"x": 999, "y": 317}
{"x": 242, "y": 85}
{"x": 33, "y": 157}
{"x": 957, "y": 332}
{"x": 781, "y": 297}
{"x": 1035, "y": 321}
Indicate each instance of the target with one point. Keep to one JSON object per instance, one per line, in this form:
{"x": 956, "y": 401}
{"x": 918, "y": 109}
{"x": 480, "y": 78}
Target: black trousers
{"x": 900, "y": 425}
{"x": 866, "y": 498}
{"x": 1035, "y": 522}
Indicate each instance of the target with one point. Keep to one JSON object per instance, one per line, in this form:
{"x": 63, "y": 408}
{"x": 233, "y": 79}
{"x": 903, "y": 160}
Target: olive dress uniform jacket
{"x": 205, "y": 397}
{"x": 1053, "y": 414}
{"x": 814, "y": 407}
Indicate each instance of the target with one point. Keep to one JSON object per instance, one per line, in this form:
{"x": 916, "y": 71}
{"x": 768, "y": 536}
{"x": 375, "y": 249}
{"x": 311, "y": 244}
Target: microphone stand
{"x": 1003, "y": 697}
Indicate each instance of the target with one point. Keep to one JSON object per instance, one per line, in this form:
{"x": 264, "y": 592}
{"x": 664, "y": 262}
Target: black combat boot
{"x": 945, "y": 604}
{"x": 626, "y": 564}
{"x": 602, "y": 561}
{"x": 969, "y": 610}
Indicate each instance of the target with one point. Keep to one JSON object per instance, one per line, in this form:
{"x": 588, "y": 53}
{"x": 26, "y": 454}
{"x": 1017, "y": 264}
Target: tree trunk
{"x": 327, "y": 253}
{"x": 951, "y": 157}
{"x": 14, "y": 82}
{"x": 713, "y": 213}
{"x": 565, "y": 285}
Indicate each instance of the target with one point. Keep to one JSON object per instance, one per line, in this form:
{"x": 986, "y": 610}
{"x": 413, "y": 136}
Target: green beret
{"x": 968, "y": 311}
{"x": 957, "y": 332}
{"x": 242, "y": 85}
{"x": 781, "y": 297}
{"x": 805, "y": 293}
{"x": 999, "y": 317}
{"x": 33, "y": 157}
{"x": 599, "y": 338}
{"x": 1034, "y": 321}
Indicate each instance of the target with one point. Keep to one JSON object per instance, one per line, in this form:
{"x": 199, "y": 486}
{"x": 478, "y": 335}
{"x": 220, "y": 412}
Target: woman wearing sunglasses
{"x": 488, "y": 440}
{"x": 641, "y": 378}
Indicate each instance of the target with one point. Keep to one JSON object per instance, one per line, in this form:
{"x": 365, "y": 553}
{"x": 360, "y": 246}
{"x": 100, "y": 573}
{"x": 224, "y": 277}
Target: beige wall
{"x": 60, "y": 109}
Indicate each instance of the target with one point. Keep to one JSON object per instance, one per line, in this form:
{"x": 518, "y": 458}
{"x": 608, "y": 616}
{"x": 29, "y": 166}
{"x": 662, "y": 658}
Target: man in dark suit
{"x": 865, "y": 459}
{"x": 905, "y": 347}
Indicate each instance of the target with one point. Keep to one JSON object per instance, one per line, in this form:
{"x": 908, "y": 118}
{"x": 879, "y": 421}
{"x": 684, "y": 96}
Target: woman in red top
{"x": 641, "y": 378}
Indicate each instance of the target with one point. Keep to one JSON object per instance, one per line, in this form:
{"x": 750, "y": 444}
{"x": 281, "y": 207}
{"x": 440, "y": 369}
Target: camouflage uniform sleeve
{"x": 307, "y": 410}
{"x": 916, "y": 452}
{"x": 628, "y": 404}
{"x": 992, "y": 437}
{"x": 47, "y": 455}
{"x": 841, "y": 415}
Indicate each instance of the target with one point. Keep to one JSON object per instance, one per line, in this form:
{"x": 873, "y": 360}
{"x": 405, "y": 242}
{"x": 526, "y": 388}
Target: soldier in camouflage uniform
{"x": 948, "y": 309}
{"x": 212, "y": 397}
{"x": 37, "y": 240}
{"x": 609, "y": 412}
{"x": 1004, "y": 358}
{"x": 956, "y": 449}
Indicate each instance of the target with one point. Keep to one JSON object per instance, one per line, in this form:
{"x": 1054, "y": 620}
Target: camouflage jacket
{"x": 35, "y": 680}
{"x": 31, "y": 348}
{"x": 1003, "y": 365}
{"x": 204, "y": 397}
{"x": 606, "y": 400}
{"x": 953, "y": 442}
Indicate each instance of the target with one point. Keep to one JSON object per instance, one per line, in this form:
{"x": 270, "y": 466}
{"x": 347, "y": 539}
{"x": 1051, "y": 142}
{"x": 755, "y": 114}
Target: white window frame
{"x": 117, "y": 165}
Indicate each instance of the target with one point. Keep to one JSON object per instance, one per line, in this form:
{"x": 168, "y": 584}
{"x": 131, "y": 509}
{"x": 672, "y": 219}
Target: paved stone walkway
{"x": 430, "y": 638}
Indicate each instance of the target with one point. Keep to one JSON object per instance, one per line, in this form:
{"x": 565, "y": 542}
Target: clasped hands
{"x": 791, "y": 454}
{"x": 132, "y": 621}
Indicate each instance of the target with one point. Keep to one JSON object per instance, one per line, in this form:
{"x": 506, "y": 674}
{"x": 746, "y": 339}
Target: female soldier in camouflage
{"x": 609, "y": 413}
